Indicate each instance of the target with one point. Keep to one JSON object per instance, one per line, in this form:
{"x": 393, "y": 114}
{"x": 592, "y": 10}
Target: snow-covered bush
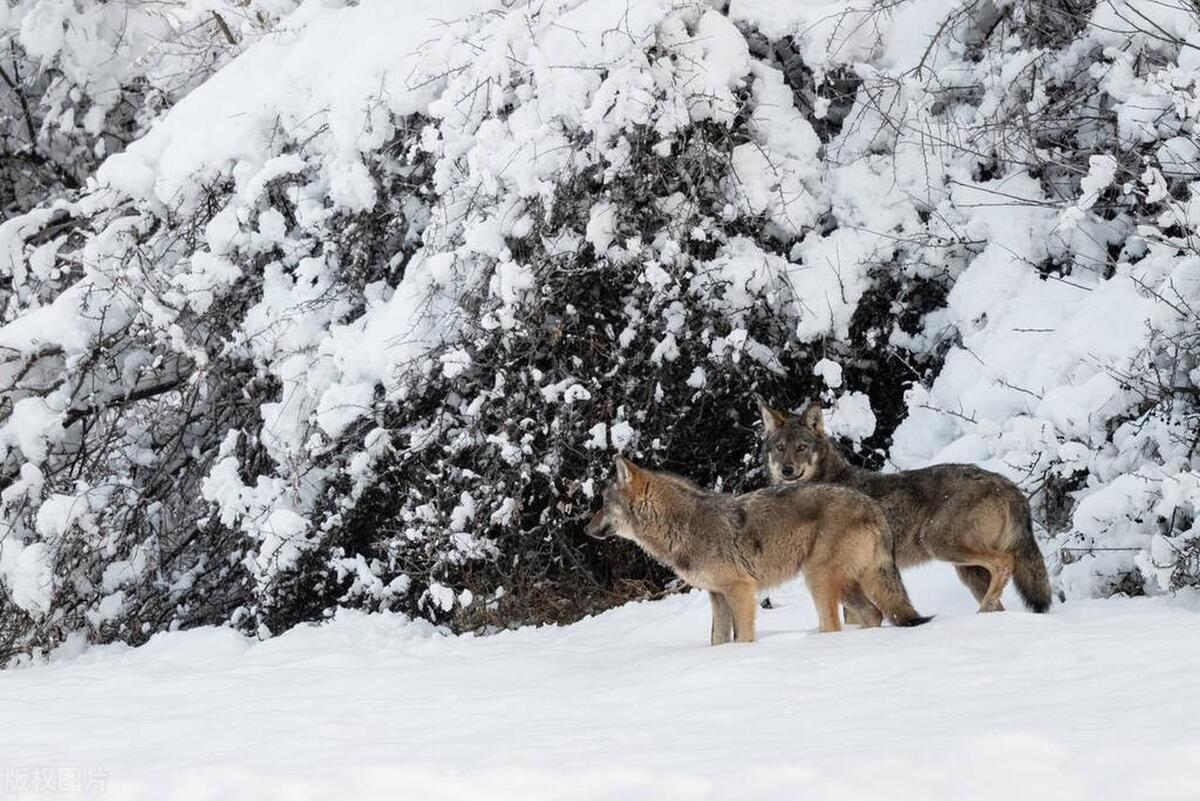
{"x": 1062, "y": 145}
{"x": 79, "y": 79}
{"x": 371, "y": 340}
{"x": 363, "y": 319}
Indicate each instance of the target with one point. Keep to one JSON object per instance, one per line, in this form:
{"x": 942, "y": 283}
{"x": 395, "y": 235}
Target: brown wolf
{"x": 974, "y": 519}
{"x": 733, "y": 546}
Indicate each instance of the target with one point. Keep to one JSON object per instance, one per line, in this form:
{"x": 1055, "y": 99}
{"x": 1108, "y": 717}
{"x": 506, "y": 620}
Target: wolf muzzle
{"x": 597, "y": 527}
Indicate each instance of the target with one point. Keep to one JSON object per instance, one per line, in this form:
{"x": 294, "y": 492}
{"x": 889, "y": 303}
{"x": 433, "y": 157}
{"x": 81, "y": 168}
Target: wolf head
{"x": 618, "y": 515}
{"x": 795, "y": 446}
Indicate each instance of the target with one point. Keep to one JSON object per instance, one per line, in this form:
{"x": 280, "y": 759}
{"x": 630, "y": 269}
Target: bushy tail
{"x": 1029, "y": 568}
{"x": 885, "y": 589}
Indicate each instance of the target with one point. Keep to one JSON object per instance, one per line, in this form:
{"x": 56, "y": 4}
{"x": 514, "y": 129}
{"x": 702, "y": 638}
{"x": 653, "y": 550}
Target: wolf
{"x": 975, "y": 519}
{"x": 733, "y": 546}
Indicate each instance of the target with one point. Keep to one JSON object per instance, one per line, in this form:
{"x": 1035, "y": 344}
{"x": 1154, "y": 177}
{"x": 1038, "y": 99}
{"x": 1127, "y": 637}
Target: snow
{"x": 283, "y": 540}
{"x": 831, "y": 32}
{"x": 104, "y": 65}
{"x": 1096, "y": 700}
{"x": 851, "y": 416}
{"x": 830, "y": 372}
{"x": 26, "y": 575}
{"x": 621, "y": 435}
{"x": 234, "y": 116}
{"x": 829, "y": 280}
{"x": 600, "y": 226}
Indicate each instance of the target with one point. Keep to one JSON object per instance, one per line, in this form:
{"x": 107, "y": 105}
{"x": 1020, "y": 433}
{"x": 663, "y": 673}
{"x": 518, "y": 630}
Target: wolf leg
{"x": 885, "y": 589}
{"x": 861, "y": 611}
{"x": 743, "y": 607}
{"x": 1001, "y": 569}
{"x": 826, "y": 595}
{"x": 722, "y": 619}
{"x": 979, "y": 571}
{"x": 977, "y": 579}
{"x": 989, "y": 570}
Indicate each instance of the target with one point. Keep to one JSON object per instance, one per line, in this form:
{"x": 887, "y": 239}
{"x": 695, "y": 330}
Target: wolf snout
{"x": 597, "y": 527}
{"x": 787, "y": 471}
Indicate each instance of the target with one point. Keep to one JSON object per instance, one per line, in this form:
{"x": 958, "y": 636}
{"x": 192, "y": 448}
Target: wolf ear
{"x": 630, "y": 477}
{"x": 772, "y": 418}
{"x": 813, "y": 419}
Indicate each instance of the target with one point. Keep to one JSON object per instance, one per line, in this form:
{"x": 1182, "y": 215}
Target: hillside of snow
{"x": 1096, "y": 701}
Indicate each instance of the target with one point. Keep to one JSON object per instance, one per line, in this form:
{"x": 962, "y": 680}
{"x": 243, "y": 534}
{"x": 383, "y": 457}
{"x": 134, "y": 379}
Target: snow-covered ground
{"x": 1097, "y": 700}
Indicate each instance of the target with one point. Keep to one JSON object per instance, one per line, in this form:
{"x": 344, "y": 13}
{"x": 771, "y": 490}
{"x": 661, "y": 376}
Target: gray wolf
{"x": 733, "y": 546}
{"x": 975, "y": 519}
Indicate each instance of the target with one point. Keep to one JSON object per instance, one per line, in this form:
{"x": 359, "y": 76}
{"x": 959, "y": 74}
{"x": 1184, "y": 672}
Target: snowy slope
{"x": 1097, "y": 700}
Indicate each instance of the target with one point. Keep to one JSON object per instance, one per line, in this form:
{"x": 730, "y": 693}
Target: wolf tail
{"x": 1029, "y": 568}
{"x": 885, "y": 589}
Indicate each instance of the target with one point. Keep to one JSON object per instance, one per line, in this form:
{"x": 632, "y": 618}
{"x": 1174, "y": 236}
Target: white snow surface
{"x": 1096, "y": 700}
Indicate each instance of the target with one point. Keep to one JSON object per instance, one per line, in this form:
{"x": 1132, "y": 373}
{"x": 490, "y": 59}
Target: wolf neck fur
{"x": 658, "y": 538}
{"x": 664, "y": 536}
{"x": 834, "y": 469}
